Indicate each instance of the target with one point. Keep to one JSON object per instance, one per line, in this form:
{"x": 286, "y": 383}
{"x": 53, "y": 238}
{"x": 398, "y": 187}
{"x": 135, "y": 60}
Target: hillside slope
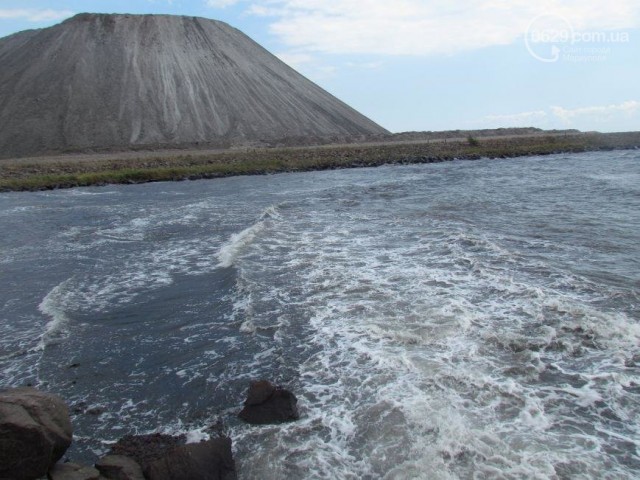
{"x": 113, "y": 81}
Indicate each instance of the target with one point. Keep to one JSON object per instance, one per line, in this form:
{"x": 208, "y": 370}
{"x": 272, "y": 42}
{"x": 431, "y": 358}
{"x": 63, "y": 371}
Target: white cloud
{"x": 599, "y": 113}
{"x": 560, "y": 117}
{"x": 315, "y": 68}
{"x": 425, "y": 27}
{"x": 34, "y": 15}
{"x": 308, "y": 65}
{"x": 295, "y": 60}
{"x": 221, "y": 3}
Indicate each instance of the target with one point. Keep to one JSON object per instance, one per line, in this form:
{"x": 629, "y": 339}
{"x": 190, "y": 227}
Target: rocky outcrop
{"x": 145, "y": 449}
{"x": 35, "y": 431}
{"x": 73, "y": 471}
{"x": 210, "y": 460}
{"x": 165, "y": 457}
{"x": 119, "y": 467}
{"x": 267, "y": 403}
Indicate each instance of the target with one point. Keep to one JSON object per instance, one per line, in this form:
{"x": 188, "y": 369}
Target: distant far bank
{"x": 168, "y": 149}
{"x": 159, "y": 163}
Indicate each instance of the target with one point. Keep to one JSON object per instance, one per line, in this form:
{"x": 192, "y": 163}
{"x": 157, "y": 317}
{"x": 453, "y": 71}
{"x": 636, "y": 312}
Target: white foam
{"x": 435, "y": 341}
{"x": 52, "y": 307}
{"x": 248, "y": 327}
{"x": 89, "y": 192}
{"x": 196, "y": 436}
{"x": 585, "y": 396}
{"x": 239, "y": 241}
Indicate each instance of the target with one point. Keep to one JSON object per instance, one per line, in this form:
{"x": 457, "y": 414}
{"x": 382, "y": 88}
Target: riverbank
{"x": 47, "y": 173}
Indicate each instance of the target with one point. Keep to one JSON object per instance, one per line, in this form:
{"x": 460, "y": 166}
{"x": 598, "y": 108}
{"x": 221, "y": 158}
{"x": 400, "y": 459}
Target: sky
{"x": 416, "y": 65}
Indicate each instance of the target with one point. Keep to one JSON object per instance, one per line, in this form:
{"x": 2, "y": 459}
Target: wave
{"x": 444, "y": 336}
{"x": 51, "y": 306}
{"x": 477, "y": 349}
{"x": 230, "y": 251}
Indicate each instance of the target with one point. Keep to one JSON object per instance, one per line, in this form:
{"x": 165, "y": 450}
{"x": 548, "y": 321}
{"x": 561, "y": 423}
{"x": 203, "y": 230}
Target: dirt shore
{"x": 83, "y": 169}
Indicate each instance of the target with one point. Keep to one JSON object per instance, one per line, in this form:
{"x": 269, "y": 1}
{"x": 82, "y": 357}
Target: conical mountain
{"x": 116, "y": 81}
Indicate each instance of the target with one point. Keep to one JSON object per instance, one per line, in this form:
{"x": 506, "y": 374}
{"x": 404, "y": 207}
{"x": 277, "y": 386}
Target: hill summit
{"x": 99, "y": 81}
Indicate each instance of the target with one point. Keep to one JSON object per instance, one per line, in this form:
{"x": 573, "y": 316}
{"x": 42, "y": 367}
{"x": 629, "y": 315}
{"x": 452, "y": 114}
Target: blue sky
{"x": 431, "y": 64}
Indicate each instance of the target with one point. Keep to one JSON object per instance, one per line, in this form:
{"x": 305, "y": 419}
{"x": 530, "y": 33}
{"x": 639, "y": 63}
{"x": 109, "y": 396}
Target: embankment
{"x": 127, "y": 167}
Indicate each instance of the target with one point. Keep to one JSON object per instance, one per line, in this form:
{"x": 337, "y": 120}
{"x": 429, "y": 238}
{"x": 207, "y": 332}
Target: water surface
{"x": 455, "y": 320}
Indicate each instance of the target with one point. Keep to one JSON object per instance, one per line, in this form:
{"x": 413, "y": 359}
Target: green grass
{"x": 473, "y": 142}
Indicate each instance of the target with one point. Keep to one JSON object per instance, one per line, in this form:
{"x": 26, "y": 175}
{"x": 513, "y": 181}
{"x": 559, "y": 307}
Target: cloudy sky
{"x": 431, "y": 64}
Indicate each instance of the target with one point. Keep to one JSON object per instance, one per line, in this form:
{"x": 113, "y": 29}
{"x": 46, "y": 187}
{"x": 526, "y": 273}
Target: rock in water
{"x": 164, "y": 457}
{"x": 35, "y": 431}
{"x": 72, "y": 471}
{"x": 116, "y": 81}
{"x": 119, "y": 467}
{"x": 210, "y": 460}
{"x": 267, "y": 403}
{"x": 145, "y": 449}
{"x": 259, "y": 392}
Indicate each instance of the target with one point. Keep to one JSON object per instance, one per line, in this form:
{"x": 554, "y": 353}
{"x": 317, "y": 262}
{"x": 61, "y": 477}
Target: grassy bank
{"x": 66, "y": 172}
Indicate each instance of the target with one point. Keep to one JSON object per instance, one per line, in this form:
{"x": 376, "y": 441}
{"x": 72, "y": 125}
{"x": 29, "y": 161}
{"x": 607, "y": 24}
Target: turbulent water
{"x": 456, "y": 320}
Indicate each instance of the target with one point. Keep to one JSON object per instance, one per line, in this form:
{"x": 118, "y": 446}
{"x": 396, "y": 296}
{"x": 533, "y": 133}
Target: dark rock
{"x": 35, "y": 431}
{"x": 145, "y": 449}
{"x": 210, "y": 460}
{"x": 79, "y": 407}
{"x": 269, "y": 404}
{"x": 216, "y": 429}
{"x": 119, "y": 467}
{"x": 259, "y": 392}
{"x": 72, "y": 471}
{"x": 167, "y": 457}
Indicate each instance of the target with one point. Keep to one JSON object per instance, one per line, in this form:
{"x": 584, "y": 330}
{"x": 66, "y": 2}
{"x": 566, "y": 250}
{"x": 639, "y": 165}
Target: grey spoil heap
{"x": 116, "y": 81}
